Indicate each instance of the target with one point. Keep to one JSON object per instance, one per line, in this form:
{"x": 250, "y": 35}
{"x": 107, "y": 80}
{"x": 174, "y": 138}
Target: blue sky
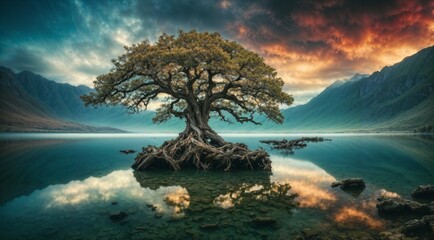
{"x": 310, "y": 43}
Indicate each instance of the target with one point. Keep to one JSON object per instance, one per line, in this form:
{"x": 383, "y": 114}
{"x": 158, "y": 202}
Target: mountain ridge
{"x": 396, "y": 98}
{"x": 374, "y": 102}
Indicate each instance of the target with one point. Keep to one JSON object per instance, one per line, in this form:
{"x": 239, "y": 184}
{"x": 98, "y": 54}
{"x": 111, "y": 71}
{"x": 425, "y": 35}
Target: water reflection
{"x": 352, "y": 216}
{"x": 310, "y": 182}
{"x": 191, "y": 204}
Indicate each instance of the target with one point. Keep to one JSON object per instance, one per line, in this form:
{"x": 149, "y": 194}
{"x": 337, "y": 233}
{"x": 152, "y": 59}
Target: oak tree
{"x": 195, "y": 76}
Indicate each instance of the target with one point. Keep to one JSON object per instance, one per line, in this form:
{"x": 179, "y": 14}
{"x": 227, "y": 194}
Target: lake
{"x": 67, "y": 186}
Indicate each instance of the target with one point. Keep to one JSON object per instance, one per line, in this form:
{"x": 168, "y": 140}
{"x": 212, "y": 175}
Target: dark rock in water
{"x": 429, "y": 221}
{"x": 209, "y": 226}
{"x": 350, "y": 183}
{"x": 310, "y": 233}
{"x": 424, "y": 192}
{"x": 198, "y": 218}
{"x": 263, "y": 221}
{"x": 118, "y": 216}
{"x": 127, "y": 151}
{"x": 114, "y": 202}
{"x": 401, "y": 206}
{"x": 414, "y": 226}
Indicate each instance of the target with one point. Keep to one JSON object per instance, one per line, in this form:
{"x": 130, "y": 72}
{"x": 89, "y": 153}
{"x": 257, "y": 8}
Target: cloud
{"x": 313, "y": 43}
{"x": 310, "y": 43}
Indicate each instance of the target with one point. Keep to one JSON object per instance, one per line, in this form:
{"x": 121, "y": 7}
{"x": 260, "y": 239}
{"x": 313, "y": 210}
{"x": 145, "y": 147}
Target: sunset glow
{"x": 310, "y": 43}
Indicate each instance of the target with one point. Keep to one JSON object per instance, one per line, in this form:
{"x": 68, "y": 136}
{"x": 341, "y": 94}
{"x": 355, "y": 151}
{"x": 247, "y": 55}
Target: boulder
{"x": 429, "y": 221}
{"x": 263, "y": 221}
{"x": 118, "y": 216}
{"x": 424, "y": 192}
{"x": 209, "y": 226}
{"x": 310, "y": 233}
{"x": 414, "y": 226}
{"x": 401, "y": 206}
{"x": 350, "y": 183}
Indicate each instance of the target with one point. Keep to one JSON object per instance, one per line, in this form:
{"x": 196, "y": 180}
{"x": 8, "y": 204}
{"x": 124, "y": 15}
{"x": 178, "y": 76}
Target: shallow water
{"x": 62, "y": 186}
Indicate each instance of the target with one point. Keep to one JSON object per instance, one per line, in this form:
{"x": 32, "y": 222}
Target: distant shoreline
{"x": 33, "y": 135}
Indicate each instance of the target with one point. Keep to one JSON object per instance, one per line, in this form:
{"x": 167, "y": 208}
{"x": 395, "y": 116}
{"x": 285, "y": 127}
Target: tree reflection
{"x": 242, "y": 201}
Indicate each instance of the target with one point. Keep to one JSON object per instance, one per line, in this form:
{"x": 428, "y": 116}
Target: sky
{"x": 310, "y": 43}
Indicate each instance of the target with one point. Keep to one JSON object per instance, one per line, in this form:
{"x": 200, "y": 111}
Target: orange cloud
{"x": 313, "y": 43}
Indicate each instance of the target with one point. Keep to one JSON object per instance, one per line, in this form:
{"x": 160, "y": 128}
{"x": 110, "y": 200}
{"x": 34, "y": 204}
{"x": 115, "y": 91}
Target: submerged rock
{"x": 127, "y": 151}
{"x": 263, "y": 221}
{"x": 350, "y": 183}
{"x": 401, "y": 206}
{"x": 414, "y": 226}
{"x": 209, "y": 226}
{"x": 424, "y": 192}
{"x": 118, "y": 216}
{"x": 310, "y": 233}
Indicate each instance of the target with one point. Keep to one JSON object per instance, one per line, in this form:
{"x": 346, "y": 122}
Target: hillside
{"x": 399, "y": 97}
{"x": 20, "y": 111}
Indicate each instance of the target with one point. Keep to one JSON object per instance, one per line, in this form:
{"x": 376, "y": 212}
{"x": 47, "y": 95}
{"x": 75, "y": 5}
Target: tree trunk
{"x": 201, "y": 147}
{"x": 197, "y": 124}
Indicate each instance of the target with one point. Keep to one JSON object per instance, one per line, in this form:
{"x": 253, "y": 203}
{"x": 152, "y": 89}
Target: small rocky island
{"x": 293, "y": 144}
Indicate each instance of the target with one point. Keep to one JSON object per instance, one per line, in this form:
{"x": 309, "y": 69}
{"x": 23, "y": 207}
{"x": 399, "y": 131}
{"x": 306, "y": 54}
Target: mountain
{"x": 399, "y": 97}
{"x": 62, "y": 101}
{"x": 21, "y": 111}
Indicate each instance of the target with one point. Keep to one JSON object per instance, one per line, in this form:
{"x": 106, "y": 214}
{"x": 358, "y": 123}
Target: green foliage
{"x": 192, "y": 74}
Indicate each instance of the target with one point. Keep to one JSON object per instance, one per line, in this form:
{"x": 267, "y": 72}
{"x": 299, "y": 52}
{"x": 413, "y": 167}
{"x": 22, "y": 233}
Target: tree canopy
{"x": 194, "y": 75}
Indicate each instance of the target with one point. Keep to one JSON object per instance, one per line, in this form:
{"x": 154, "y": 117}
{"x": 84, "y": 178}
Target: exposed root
{"x": 191, "y": 151}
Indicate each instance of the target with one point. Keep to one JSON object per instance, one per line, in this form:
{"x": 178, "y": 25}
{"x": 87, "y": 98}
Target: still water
{"x": 66, "y": 186}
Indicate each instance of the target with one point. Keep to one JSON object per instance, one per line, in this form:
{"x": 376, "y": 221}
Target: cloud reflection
{"x": 355, "y": 216}
{"x": 310, "y": 182}
{"x": 172, "y": 200}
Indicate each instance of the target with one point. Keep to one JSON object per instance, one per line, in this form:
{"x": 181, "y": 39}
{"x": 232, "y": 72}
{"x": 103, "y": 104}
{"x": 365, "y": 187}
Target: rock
{"x": 429, "y": 221}
{"x": 310, "y": 233}
{"x": 401, "y": 206}
{"x": 385, "y": 234}
{"x": 127, "y": 151}
{"x": 263, "y": 210}
{"x": 209, "y": 226}
{"x": 198, "y": 218}
{"x": 263, "y": 221}
{"x": 118, "y": 216}
{"x": 114, "y": 202}
{"x": 350, "y": 183}
{"x": 141, "y": 228}
{"x": 414, "y": 226}
{"x": 424, "y": 192}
